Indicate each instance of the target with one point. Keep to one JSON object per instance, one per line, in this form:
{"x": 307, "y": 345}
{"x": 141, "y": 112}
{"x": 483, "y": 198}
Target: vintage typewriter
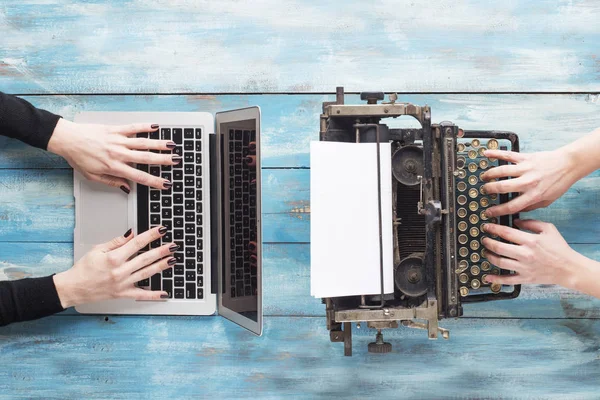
{"x": 438, "y": 210}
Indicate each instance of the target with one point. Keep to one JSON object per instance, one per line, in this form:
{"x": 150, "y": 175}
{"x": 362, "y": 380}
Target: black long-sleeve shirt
{"x": 32, "y": 298}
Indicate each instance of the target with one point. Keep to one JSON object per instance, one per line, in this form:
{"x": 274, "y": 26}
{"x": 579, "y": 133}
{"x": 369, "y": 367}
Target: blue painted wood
{"x": 162, "y": 358}
{"x": 290, "y": 122}
{"x": 185, "y": 46}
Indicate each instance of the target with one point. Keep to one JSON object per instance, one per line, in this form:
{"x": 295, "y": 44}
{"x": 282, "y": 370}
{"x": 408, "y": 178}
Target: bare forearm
{"x": 584, "y": 154}
{"x": 584, "y": 276}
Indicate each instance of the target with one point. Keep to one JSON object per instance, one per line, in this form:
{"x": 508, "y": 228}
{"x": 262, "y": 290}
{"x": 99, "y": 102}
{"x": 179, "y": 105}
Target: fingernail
{"x": 172, "y": 261}
{"x": 173, "y": 248}
{"x": 162, "y": 230}
{"x": 164, "y": 296}
{"x": 154, "y": 126}
{"x": 125, "y": 189}
{"x": 171, "y": 145}
{"x": 177, "y": 159}
{"x": 127, "y": 233}
{"x": 482, "y": 190}
{"x": 167, "y": 185}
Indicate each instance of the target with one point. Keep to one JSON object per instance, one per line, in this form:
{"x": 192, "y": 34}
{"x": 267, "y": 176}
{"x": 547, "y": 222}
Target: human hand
{"x": 540, "y": 178}
{"x": 108, "y": 271}
{"x": 104, "y": 153}
{"x": 539, "y": 257}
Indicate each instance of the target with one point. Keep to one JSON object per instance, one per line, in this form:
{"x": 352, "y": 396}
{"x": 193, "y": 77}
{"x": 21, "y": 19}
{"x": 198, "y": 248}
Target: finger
{"x": 513, "y": 279}
{"x": 512, "y": 207}
{"x": 531, "y": 225}
{"x": 503, "y": 262}
{"x": 503, "y": 171}
{"x": 117, "y": 242}
{"x": 503, "y": 249}
{"x": 506, "y": 232}
{"x": 142, "y": 177}
{"x": 505, "y": 155}
{"x": 535, "y": 206}
{"x": 132, "y": 129}
{"x": 145, "y": 157}
{"x": 147, "y": 295}
{"x": 112, "y": 181}
{"x": 506, "y": 186}
{"x": 149, "y": 144}
{"x": 151, "y": 269}
{"x": 149, "y": 257}
{"x": 139, "y": 242}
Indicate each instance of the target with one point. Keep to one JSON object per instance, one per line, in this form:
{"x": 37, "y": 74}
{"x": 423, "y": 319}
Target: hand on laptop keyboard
{"x": 103, "y": 153}
{"x": 109, "y": 271}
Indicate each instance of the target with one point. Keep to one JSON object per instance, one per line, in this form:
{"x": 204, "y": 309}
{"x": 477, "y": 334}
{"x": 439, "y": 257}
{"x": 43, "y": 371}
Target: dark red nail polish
{"x": 125, "y": 189}
{"x": 127, "y": 233}
{"x": 162, "y": 230}
{"x": 172, "y": 261}
{"x": 173, "y": 248}
{"x": 154, "y": 126}
{"x": 167, "y": 185}
{"x": 171, "y": 145}
{"x": 164, "y": 296}
{"x": 177, "y": 159}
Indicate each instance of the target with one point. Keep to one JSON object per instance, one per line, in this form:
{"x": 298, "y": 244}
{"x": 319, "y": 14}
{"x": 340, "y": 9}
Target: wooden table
{"x": 529, "y": 67}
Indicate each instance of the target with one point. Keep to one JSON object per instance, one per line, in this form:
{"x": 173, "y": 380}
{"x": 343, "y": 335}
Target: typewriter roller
{"x": 438, "y": 210}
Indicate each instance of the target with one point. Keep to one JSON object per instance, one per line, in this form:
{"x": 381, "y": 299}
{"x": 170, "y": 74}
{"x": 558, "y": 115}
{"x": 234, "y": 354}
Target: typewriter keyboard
{"x": 471, "y": 203}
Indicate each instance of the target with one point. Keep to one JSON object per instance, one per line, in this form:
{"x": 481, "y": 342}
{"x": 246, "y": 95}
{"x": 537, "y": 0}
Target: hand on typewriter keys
{"x": 540, "y": 178}
{"x": 104, "y": 153}
{"x": 108, "y": 271}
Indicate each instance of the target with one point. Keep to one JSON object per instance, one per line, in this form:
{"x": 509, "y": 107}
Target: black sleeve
{"x": 28, "y": 299}
{"x": 20, "y": 120}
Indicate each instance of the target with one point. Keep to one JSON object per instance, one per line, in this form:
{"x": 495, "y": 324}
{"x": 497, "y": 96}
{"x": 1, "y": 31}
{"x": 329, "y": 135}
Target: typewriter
{"x": 438, "y": 209}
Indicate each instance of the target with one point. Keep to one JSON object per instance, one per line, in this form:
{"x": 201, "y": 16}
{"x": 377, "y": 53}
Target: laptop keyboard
{"x": 180, "y": 210}
{"x": 242, "y": 212}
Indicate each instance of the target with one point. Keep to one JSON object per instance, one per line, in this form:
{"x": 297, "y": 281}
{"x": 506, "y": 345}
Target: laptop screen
{"x": 240, "y": 234}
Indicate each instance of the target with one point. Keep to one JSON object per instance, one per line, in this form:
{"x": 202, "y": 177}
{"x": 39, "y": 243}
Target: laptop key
{"x": 198, "y": 133}
{"x": 178, "y": 234}
{"x": 179, "y": 293}
{"x": 154, "y": 219}
{"x": 200, "y": 293}
{"x": 155, "y": 282}
{"x": 189, "y": 217}
{"x": 178, "y": 198}
{"x": 188, "y": 133}
{"x": 190, "y": 275}
{"x": 200, "y": 269}
{"x": 168, "y": 287}
{"x": 190, "y": 290}
{"x": 178, "y": 269}
{"x": 144, "y": 282}
{"x": 167, "y": 273}
{"x": 179, "y": 282}
{"x": 190, "y": 240}
{"x": 190, "y": 264}
{"x": 177, "y": 138}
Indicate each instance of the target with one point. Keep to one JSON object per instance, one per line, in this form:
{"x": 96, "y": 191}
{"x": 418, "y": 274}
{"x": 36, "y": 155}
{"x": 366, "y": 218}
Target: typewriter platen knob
{"x": 371, "y": 97}
{"x": 379, "y": 346}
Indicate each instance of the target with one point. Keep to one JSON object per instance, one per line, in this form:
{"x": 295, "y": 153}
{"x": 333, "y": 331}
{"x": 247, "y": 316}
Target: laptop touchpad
{"x": 103, "y": 214}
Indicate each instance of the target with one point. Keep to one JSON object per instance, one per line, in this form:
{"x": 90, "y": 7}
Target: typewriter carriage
{"x": 424, "y": 170}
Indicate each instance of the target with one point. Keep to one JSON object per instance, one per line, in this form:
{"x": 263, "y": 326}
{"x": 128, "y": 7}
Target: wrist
{"x": 61, "y": 137}
{"x": 67, "y": 289}
{"x": 573, "y": 274}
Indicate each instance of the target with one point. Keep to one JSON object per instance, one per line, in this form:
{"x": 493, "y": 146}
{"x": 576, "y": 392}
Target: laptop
{"x": 213, "y": 211}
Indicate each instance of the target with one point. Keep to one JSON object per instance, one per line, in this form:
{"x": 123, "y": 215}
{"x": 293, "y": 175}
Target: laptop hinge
{"x": 214, "y": 215}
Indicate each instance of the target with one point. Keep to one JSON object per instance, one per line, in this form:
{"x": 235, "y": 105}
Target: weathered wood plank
{"x": 161, "y": 358}
{"x": 290, "y": 122}
{"x": 287, "y": 283}
{"x": 186, "y": 46}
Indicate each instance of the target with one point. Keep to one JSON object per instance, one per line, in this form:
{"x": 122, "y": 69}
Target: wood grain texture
{"x": 161, "y": 46}
{"x": 208, "y": 357}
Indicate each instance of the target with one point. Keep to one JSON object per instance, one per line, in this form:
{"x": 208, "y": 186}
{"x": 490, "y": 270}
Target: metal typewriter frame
{"x": 439, "y": 148}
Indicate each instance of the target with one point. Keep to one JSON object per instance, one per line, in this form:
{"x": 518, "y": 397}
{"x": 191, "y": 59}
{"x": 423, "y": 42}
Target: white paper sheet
{"x": 344, "y": 230}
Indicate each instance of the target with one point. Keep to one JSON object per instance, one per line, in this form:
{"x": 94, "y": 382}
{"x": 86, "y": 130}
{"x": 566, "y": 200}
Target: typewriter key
{"x": 463, "y": 278}
{"x": 464, "y": 291}
{"x": 473, "y": 218}
{"x": 462, "y": 266}
{"x": 475, "y": 270}
{"x": 463, "y": 251}
{"x": 461, "y": 186}
{"x": 474, "y": 232}
{"x": 472, "y": 167}
{"x": 483, "y": 216}
{"x": 472, "y": 154}
{"x": 462, "y": 226}
{"x": 473, "y": 180}
{"x": 483, "y": 164}
{"x": 461, "y": 199}
{"x": 473, "y": 192}
{"x": 485, "y": 266}
{"x": 482, "y": 190}
{"x": 460, "y": 162}
{"x": 493, "y": 196}
{"x": 460, "y": 147}
{"x": 484, "y": 279}
{"x": 475, "y": 257}
{"x": 483, "y": 253}
{"x": 474, "y": 245}
{"x": 473, "y": 206}
{"x": 494, "y": 220}
{"x": 496, "y": 287}
{"x": 495, "y": 271}
{"x": 484, "y": 202}
{"x": 492, "y": 144}
{"x": 462, "y": 212}
{"x": 481, "y": 151}
{"x": 481, "y": 176}
{"x": 475, "y": 284}
{"x": 462, "y": 173}
{"x": 463, "y": 239}
{"x": 475, "y": 143}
